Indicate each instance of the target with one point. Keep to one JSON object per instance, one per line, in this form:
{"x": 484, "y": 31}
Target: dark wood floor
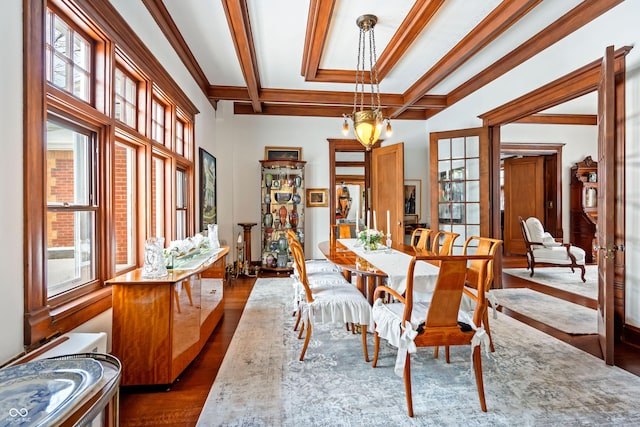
{"x": 181, "y": 404}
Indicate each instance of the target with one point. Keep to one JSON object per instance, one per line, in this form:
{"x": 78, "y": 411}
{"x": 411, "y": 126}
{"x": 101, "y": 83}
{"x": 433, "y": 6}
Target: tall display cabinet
{"x": 584, "y": 206}
{"x": 283, "y": 201}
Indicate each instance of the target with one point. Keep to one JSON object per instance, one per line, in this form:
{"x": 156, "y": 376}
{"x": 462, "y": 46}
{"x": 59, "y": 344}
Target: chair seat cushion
{"x": 388, "y": 317}
{"x": 335, "y": 303}
{"x": 316, "y": 266}
{"x": 558, "y": 255}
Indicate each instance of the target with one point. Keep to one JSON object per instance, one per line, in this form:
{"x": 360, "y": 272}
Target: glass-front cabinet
{"x": 282, "y": 200}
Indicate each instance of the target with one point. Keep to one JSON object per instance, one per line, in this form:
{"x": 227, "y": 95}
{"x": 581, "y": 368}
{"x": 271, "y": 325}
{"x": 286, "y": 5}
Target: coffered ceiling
{"x": 298, "y": 57}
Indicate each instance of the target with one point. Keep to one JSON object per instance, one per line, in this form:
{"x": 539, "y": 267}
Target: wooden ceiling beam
{"x": 240, "y": 26}
{"x": 167, "y": 25}
{"x": 576, "y": 18}
{"x": 496, "y": 23}
{"x": 316, "y": 35}
{"x": 312, "y": 110}
{"x": 318, "y": 20}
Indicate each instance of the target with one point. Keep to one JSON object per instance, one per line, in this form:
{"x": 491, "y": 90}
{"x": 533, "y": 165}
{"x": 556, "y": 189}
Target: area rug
{"x": 562, "y": 278}
{"x": 565, "y": 316}
{"x": 531, "y": 379}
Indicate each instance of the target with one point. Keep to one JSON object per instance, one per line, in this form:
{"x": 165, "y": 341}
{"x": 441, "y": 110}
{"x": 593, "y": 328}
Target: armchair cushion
{"x": 536, "y": 234}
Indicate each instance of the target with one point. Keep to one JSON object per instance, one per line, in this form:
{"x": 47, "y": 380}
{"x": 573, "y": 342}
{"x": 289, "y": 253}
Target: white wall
{"x": 11, "y": 303}
{"x": 618, "y": 27}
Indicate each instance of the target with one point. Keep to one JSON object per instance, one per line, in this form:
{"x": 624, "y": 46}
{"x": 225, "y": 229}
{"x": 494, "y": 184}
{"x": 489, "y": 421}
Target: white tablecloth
{"x": 395, "y": 264}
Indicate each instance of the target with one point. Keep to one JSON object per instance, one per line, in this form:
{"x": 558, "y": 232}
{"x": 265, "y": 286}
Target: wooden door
{"x": 523, "y": 196}
{"x": 460, "y": 183}
{"x": 387, "y": 189}
{"x": 606, "y": 209}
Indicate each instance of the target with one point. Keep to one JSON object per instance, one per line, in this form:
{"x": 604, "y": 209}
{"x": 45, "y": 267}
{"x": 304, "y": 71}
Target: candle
{"x": 375, "y": 223}
{"x": 239, "y": 238}
{"x": 388, "y": 223}
{"x": 357, "y": 221}
{"x": 368, "y": 217}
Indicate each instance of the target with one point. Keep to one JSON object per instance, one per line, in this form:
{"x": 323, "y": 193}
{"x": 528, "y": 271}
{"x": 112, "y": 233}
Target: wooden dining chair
{"x": 439, "y": 322}
{"x": 420, "y": 238}
{"x": 442, "y": 242}
{"x": 341, "y": 231}
{"x": 336, "y": 302}
{"x": 476, "y": 245}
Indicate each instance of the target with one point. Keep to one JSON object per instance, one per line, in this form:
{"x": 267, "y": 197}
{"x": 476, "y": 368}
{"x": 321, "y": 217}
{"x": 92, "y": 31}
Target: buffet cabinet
{"x": 283, "y": 198}
{"x": 584, "y": 206}
{"x": 160, "y": 325}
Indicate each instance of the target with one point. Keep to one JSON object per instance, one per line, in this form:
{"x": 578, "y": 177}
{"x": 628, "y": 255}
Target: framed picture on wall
{"x": 317, "y": 197}
{"x": 283, "y": 153}
{"x": 208, "y": 194}
{"x": 412, "y": 192}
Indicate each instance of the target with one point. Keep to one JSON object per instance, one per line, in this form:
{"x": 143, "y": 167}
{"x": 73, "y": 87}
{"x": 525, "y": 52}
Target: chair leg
{"x": 295, "y": 327}
{"x": 436, "y": 352}
{"x": 581, "y": 267}
{"x": 376, "y": 347}
{"x": 301, "y": 330}
{"x": 485, "y": 320}
{"x": 407, "y": 385}
{"x": 306, "y": 340}
{"x": 477, "y": 367}
{"x": 363, "y": 329}
{"x": 446, "y": 354}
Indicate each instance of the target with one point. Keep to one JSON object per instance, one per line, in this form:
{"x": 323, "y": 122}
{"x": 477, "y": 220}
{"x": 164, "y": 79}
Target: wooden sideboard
{"x": 160, "y": 325}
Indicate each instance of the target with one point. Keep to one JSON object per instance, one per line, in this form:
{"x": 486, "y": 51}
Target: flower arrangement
{"x": 371, "y": 239}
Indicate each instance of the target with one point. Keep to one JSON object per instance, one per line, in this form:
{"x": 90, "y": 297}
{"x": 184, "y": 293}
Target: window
{"x": 157, "y": 121}
{"x": 126, "y": 91}
{"x": 157, "y": 197}
{"x": 181, "y": 204}
{"x": 71, "y": 212}
{"x": 180, "y": 136}
{"x": 96, "y": 184}
{"x": 124, "y": 205}
{"x": 69, "y": 57}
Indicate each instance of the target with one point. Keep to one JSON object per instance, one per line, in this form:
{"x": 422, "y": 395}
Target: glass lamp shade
{"x": 367, "y": 125}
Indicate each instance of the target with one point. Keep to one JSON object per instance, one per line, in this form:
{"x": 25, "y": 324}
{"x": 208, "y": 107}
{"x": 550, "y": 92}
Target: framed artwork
{"x": 412, "y": 192}
{"x": 283, "y": 153}
{"x": 317, "y": 197}
{"x": 208, "y": 194}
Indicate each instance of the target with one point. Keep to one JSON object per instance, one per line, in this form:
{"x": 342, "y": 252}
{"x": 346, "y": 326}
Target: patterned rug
{"x": 531, "y": 379}
{"x": 562, "y": 278}
{"x": 565, "y": 316}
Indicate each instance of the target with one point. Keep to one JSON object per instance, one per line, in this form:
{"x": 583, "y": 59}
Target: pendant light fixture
{"x": 367, "y": 118}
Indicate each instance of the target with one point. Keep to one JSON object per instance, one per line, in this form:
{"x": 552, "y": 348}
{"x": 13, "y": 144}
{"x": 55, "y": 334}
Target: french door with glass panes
{"x": 459, "y": 165}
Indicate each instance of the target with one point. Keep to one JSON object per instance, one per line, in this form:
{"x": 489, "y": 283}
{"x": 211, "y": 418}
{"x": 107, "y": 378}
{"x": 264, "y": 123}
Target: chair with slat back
{"x": 476, "y": 245}
{"x": 439, "y": 322}
{"x": 341, "y": 231}
{"x": 442, "y": 242}
{"x": 420, "y": 238}
{"x": 336, "y": 302}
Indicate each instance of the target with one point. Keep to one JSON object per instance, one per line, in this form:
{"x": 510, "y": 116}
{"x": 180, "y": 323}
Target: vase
{"x": 293, "y": 217}
{"x": 282, "y": 243}
{"x": 268, "y": 220}
{"x": 154, "y": 263}
{"x": 267, "y": 199}
{"x": 298, "y": 181}
{"x": 268, "y": 179}
{"x": 282, "y": 212}
{"x": 296, "y": 199}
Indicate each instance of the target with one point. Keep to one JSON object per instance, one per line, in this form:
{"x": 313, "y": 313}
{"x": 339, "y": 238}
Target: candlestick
{"x": 375, "y": 223}
{"x": 389, "y": 242}
{"x": 388, "y": 223}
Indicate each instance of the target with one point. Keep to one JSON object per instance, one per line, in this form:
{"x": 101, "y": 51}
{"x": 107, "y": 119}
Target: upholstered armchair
{"x": 543, "y": 249}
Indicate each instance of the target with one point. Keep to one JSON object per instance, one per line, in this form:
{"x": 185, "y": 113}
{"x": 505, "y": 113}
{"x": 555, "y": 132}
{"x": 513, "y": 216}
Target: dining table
{"x": 386, "y": 266}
